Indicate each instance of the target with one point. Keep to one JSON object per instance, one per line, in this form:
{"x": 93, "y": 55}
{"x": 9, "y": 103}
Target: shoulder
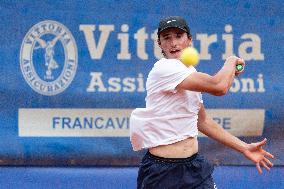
{"x": 170, "y": 66}
{"x": 169, "y": 63}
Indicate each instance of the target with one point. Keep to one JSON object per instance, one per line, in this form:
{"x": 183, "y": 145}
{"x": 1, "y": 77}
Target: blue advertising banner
{"x": 71, "y": 73}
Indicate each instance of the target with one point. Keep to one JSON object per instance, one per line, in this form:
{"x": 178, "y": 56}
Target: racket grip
{"x": 239, "y": 67}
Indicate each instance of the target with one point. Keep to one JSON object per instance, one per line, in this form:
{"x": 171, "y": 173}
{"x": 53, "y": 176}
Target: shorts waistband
{"x": 171, "y": 160}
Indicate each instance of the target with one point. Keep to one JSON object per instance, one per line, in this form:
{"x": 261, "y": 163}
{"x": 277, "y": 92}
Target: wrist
{"x": 244, "y": 147}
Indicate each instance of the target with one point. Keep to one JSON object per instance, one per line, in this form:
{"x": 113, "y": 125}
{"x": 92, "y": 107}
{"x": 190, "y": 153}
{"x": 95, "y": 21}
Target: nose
{"x": 173, "y": 43}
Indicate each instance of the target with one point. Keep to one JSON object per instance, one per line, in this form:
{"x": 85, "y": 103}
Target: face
{"x": 173, "y": 41}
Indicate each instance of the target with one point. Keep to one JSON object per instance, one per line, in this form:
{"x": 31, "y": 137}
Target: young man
{"x": 174, "y": 113}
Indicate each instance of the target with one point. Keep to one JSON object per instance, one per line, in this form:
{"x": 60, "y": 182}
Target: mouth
{"x": 175, "y": 52}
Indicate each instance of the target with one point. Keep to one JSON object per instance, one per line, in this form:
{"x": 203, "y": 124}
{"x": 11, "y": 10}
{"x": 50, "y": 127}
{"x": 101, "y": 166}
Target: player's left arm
{"x": 252, "y": 151}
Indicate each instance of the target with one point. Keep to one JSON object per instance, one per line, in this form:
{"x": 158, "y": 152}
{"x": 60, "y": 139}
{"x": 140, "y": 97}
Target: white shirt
{"x": 170, "y": 114}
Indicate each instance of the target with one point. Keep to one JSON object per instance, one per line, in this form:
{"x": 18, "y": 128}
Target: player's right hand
{"x": 240, "y": 61}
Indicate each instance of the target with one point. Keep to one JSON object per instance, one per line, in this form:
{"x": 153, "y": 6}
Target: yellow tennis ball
{"x": 189, "y": 56}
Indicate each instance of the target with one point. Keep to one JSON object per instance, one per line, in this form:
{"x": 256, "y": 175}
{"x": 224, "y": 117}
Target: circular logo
{"x": 49, "y": 58}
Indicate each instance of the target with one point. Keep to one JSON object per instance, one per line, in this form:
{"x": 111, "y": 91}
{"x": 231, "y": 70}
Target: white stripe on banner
{"x": 115, "y": 122}
{"x": 239, "y": 122}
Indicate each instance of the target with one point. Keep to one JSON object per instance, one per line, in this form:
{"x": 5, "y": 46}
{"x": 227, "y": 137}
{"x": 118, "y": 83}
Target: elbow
{"x": 202, "y": 126}
{"x": 221, "y": 89}
{"x": 219, "y": 86}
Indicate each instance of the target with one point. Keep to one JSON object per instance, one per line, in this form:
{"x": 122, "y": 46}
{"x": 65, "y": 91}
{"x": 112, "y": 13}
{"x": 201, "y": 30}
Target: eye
{"x": 179, "y": 35}
{"x": 166, "y": 37}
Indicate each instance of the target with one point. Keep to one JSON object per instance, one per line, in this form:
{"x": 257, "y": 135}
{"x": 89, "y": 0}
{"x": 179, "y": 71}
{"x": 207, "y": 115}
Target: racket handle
{"x": 239, "y": 67}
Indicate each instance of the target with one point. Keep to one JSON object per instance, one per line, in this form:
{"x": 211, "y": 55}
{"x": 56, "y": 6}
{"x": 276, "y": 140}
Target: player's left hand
{"x": 259, "y": 156}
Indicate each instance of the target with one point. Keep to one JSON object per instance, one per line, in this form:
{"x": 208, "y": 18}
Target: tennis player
{"x": 174, "y": 113}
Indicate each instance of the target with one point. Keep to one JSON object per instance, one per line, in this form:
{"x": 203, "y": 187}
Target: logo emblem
{"x": 49, "y": 58}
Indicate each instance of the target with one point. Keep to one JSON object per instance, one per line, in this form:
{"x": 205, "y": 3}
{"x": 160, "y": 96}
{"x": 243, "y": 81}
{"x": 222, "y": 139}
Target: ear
{"x": 159, "y": 42}
{"x": 190, "y": 40}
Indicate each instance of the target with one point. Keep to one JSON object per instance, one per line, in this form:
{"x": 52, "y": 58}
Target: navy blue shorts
{"x": 175, "y": 173}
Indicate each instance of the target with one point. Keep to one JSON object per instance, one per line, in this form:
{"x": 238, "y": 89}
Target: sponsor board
{"x": 78, "y": 71}
{"x": 242, "y": 122}
{"x": 115, "y": 122}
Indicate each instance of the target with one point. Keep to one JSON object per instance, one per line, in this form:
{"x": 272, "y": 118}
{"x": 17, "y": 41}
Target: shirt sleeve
{"x": 169, "y": 74}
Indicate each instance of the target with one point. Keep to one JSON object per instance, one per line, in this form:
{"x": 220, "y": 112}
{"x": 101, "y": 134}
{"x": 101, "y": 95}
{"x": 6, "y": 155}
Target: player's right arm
{"x": 217, "y": 85}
